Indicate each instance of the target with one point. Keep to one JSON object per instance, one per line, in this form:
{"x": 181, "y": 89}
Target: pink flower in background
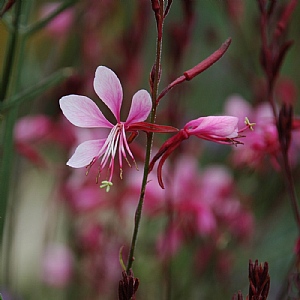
{"x": 57, "y": 266}
{"x": 32, "y": 128}
{"x": 83, "y": 112}
{"x": 169, "y": 242}
{"x": 62, "y": 23}
{"x": 33, "y": 131}
{"x": 260, "y": 143}
{"x": 235, "y": 105}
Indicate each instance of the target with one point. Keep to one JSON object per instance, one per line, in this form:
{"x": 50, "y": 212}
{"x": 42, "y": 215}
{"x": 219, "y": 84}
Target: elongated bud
{"x": 285, "y": 17}
{"x": 202, "y": 66}
{"x": 206, "y": 63}
{"x": 155, "y": 5}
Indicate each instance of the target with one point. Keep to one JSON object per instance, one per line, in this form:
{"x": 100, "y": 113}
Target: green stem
{"x": 35, "y": 90}
{"x": 10, "y": 52}
{"x": 8, "y": 206}
{"x": 138, "y": 212}
{"x": 7, "y": 146}
{"x": 290, "y": 184}
{"x": 7, "y": 139}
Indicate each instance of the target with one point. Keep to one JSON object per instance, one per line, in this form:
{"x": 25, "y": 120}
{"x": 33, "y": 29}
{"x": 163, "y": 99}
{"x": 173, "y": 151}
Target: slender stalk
{"x": 287, "y": 172}
{"x": 138, "y": 212}
{"x": 290, "y": 185}
{"x": 9, "y": 204}
{"x": 7, "y": 142}
{"x": 10, "y": 52}
{"x": 268, "y": 65}
{"x": 267, "y": 53}
{"x": 35, "y": 90}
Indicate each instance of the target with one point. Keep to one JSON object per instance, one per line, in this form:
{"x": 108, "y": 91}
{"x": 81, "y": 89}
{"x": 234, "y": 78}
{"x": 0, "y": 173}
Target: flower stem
{"x": 290, "y": 185}
{"x": 7, "y": 208}
{"x": 138, "y": 212}
{"x": 271, "y": 77}
{"x": 8, "y": 123}
{"x": 10, "y": 52}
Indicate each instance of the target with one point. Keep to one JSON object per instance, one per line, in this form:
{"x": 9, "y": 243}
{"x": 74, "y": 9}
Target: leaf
{"x": 36, "y": 90}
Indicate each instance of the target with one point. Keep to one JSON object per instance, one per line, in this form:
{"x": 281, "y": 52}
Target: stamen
{"x": 116, "y": 141}
{"x": 128, "y": 162}
{"x": 136, "y": 166}
{"x": 90, "y": 165}
{"x": 98, "y": 175}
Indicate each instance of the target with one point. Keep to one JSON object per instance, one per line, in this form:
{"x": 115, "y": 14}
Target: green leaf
{"x": 36, "y": 90}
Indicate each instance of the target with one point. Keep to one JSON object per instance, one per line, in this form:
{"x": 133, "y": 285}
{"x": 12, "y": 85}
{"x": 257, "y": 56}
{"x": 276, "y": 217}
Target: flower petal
{"x": 219, "y": 126}
{"x": 85, "y": 153}
{"x": 108, "y": 87}
{"x": 140, "y": 107}
{"x": 83, "y": 112}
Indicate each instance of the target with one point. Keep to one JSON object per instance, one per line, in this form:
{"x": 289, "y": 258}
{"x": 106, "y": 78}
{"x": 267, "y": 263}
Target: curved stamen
{"x": 127, "y": 148}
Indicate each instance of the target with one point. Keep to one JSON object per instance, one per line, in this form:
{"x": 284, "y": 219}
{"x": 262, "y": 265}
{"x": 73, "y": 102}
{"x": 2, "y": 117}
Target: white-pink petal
{"x": 221, "y": 126}
{"x": 108, "y": 87}
{"x": 85, "y": 153}
{"x": 140, "y": 107}
{"x": 81, "y": 111}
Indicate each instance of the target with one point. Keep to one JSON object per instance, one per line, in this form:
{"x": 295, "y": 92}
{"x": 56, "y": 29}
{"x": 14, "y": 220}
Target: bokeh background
{"x": 62, "y": 234}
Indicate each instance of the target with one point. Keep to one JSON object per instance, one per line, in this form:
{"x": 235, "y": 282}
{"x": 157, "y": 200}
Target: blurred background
{"x": 222, "y": 205}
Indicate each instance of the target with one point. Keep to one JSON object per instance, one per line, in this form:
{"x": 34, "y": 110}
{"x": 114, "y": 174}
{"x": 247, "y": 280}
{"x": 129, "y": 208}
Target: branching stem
{"x": 138, "y": 213}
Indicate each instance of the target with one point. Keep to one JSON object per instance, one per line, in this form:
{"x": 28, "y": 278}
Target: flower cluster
{"x": 83, "y": 112}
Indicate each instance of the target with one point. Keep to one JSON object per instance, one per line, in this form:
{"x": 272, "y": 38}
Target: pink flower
{"x": 33, "y": 131}
{"x": 57, "y": 266}
{"x": 219, "y": 129}
{"x": 83, "y": 112}
{"x": 169, "y": 243}
{"x": 61, "y": 24}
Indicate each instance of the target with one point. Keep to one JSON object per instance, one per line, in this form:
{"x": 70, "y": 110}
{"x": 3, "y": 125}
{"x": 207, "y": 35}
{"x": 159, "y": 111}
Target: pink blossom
{"x": 32, "y": 128}
{"x": 57, "y": 266}
{"x": 29, "y": 131}
{"x": 168, "y": 244}
{"x": 62, "y": 23}
{"x": 260, "y": 143}
{"x": 89, "y": 237}
{"x": 235, "y": 105}
{"x": 83, "y": 112}
{"x": 219, "y": 129}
